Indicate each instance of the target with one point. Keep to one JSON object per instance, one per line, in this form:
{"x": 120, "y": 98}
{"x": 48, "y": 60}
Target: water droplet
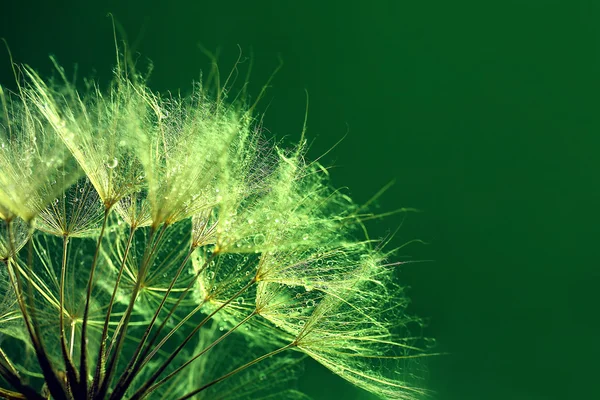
{"x": 259, "y": 239}
{"x": 55, "y": 201}
{"x": 112, "y": 164}
{"x": 240, "y": 300}
{"x": 310, "y": 303}
{"x": 210, "y": 274}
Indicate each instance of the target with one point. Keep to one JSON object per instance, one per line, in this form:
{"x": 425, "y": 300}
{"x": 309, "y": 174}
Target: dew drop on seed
{"x": 112, "y": 164}
{"x": 259, "y": 239}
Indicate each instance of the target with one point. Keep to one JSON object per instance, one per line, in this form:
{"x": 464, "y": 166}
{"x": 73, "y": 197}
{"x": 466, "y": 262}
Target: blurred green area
{"x": 484, "y": 113}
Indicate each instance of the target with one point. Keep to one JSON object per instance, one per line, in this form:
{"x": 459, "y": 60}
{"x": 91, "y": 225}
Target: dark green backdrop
{"x": 484, "y": 112}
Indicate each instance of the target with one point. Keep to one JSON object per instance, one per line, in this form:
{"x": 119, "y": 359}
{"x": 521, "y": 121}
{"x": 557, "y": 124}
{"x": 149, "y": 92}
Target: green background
{"x": 484, "y": 112}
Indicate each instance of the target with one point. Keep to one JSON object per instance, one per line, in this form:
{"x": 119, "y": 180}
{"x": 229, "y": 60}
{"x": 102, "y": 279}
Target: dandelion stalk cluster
{"x": 158, "y": 246}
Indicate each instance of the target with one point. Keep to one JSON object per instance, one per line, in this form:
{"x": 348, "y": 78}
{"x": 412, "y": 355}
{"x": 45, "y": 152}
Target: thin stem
{"x": 54, "y": 385}
{"x": 90, "y": 284}
{"x": 24, "y": 391}
{"x": 147, "y": 252}
{"x": 72, "y": 343}
{"x": 99, "y": 375}
{"x": 72, "y": 379}
{"x": 202, "y": 352}
{"x": 133, "y": 365}
{"x": 15, "y": 380}
{"x": 10, "y": 395}
{"x": 235, "y": 371}
{"x": 123, "y": 324}
{"x": 7, "y": 361}
{"x": 241, "y": 385}
{"x": 142, "y": 391}
{"x": 156, "y": 348}
{"x": 176, "y": 305}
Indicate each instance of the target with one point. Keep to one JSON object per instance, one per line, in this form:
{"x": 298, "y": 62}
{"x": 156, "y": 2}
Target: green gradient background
{"x": 484, "y": 112}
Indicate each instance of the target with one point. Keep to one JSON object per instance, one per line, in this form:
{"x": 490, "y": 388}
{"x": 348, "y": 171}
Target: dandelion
{"x": 158, "y": 246}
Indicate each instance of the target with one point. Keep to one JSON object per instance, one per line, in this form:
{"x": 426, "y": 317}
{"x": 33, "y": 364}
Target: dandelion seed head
{"x": 159, "y": 226}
